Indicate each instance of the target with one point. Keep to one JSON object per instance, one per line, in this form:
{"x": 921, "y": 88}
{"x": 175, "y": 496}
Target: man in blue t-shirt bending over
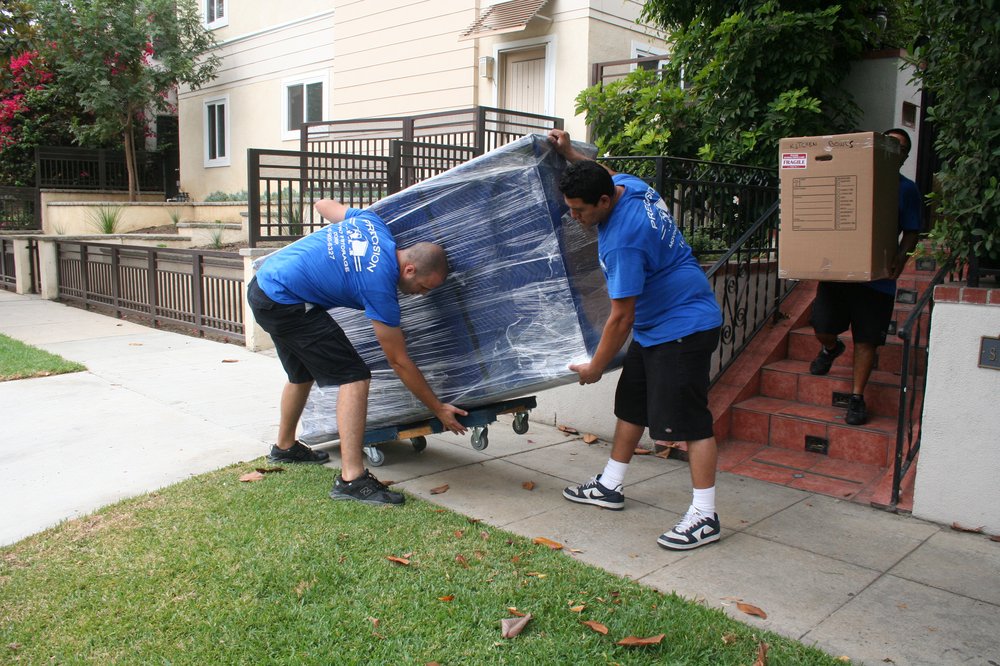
{"x": 660, "y": 294}
{"x": 353, "y": 263}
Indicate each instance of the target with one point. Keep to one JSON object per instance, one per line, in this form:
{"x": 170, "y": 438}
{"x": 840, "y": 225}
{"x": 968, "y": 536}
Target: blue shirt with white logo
{"x": 350, "y": 264}
{"x": 643, "y": 254}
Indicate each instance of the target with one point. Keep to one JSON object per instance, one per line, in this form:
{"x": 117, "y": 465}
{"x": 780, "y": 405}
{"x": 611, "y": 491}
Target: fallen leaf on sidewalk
{"x": 962, "y": 528}
{"x": 251, "y": 476}
{"x": 590, "y": 438}
{"x": 230, "y": 360}
{"x": 761, "y": 655}
{"x": 511, "y": 627}
{"x": 568, "y": 430}
{"x": 398, "y": 560}
{"x": 596, "y": 626}
{"x": 528, "y": 485}
{"x": 642, "y": 452}
{"x": 750, "y": 609}
{"x": 631, "y": 641}
{"x": 439, "y": 489}
{"x": 135, "y": 344}
{"x": 542, "y": 541}
{"x": 995, "y": 537}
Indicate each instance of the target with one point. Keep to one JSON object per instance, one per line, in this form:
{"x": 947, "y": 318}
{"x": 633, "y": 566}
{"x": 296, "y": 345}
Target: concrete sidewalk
{"x": 157, "y": 407}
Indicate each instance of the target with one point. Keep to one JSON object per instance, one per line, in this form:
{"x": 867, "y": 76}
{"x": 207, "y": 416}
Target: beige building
{"x": 288, "y": 63}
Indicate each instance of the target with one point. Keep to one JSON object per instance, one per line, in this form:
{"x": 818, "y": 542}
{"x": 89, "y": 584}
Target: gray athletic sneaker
{"x": 366, "y": 488}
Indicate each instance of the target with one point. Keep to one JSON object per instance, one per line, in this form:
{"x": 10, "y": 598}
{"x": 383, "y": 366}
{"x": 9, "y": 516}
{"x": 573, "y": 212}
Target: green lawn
{"x": 214, "y": 571}
{"x": 20, "y": 361}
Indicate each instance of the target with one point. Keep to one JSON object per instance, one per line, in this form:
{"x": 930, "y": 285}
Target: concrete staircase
{"x": 777, "y": 422}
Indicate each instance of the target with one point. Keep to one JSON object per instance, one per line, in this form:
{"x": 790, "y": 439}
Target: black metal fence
{"x": 480, "y": 128}
{"x": 915, "y": 334}
{"x": 20, "y": 209}
{"x": 93, "y": 169}
{"x": 194, "y": 290}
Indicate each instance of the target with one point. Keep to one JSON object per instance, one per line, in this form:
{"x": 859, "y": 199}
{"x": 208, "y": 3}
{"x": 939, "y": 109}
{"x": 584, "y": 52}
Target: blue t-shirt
{"x": 909, "y": 219}
{"x": 643, "y": 254}
{"x": 350, "y": 264}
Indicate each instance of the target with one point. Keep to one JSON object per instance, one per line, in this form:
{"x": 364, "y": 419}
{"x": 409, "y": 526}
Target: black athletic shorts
{"x": 665, "y": 387}
{"x": 842, "y": 305}
{"x": 310, "y": 344}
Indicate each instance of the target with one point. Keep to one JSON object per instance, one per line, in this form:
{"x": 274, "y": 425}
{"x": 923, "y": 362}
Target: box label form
{"x": 825, "y": 203}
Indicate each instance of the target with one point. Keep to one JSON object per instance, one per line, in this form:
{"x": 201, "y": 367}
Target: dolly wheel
{"x": 419, "y": 443}
{"x": 375, "y": 456}
{"x": 520, "y": 424}
{"x": 480, "y": 438}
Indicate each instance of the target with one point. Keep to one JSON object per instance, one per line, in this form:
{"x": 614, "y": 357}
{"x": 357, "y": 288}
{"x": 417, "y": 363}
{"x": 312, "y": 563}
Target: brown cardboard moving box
{"x": 839, "y": 207}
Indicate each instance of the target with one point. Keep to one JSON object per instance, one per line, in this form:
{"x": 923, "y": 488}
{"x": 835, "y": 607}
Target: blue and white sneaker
{"x": 592, "y": 492}
{"x": 695, "y": 529}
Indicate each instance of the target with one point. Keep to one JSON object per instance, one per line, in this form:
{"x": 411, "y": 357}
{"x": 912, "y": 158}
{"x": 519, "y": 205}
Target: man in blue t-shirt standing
{"x": 659, "y": 294}
{"x": 865, "y": 307}
{"x": 353, "y": 263}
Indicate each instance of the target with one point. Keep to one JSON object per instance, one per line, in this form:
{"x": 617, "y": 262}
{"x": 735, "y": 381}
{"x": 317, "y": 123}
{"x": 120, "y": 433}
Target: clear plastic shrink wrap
{"x": 525, "y": 297}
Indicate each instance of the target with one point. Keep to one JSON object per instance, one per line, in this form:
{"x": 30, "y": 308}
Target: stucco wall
{"x": 959, "y": 463}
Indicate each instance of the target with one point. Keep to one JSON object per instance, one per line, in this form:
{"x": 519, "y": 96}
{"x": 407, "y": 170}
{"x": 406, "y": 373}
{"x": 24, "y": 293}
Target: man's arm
{"x": 614, "y": 335}
{"x": 906, "y": 245}
{"x": 331, "y": 210}
{"x": 394, "y": 345}
{"x": 561, "y": 142}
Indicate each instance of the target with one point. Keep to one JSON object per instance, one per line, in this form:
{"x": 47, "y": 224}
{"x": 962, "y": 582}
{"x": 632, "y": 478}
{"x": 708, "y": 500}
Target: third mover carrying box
{"x": 839, "y": 206}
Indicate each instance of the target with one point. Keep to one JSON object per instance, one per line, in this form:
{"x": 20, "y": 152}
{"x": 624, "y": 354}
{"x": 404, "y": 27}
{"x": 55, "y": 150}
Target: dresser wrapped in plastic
{"x": 524, "y": 300}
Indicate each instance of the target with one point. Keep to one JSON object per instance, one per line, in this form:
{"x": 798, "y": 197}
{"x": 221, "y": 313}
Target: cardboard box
{"x": 839, "y": 207}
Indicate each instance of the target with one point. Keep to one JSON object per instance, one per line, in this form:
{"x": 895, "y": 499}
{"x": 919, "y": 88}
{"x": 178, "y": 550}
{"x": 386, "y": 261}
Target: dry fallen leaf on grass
{"x": 631, "y": 641}
{"x": 535, "y": 574}
{"x": 511, "y": 627}
{"x": 439, "y": 489}
{"x": 459, "y": 534}
{"x": 513, "y": 611}
{"x": 398, "y": 560}
{"x": 761, "y": 655}
{"x": 270, "y": 470}
{"x": 750, "y": 609}
{"x": 962, "y": 528}
{"x": 729, "y": 639}
{"x": 474, "y": 520}
{"x": 528, "y": 485}
{"x": 590, "y": 438}
{"x": 596, "y": 626}
{"x": 568, "y": 430}
{"x": 374, "y": 621}
{"x": 303, "y": 587}
{"x": 577, "y": 609}
{"x": 447, "y": 597}
{"x": 461, "y": 560}
{"x": 251, "y": 476}
{"x": 542, "y": 541}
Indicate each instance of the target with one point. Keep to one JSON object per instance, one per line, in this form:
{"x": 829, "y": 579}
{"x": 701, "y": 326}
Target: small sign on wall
{"x": 989, "y": 353}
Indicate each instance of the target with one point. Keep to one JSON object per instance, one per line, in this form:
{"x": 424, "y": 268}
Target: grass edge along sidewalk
{"x": 212, "y": 570}
{"x": 21, "y": 361}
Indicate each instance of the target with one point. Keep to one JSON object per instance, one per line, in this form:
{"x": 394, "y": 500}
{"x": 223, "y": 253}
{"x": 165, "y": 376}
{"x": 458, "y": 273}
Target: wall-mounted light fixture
{"x": 486, "y": 67}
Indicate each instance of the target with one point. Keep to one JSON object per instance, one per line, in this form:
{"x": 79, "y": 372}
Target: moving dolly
{"x": 478, "y": 420}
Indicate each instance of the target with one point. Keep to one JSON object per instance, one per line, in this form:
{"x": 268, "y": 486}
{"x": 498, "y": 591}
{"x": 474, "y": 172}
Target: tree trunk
{"x": 130, "y": 160}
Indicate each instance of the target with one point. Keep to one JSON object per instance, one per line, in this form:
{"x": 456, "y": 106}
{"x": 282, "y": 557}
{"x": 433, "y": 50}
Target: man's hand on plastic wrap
{"x": 589, "y": 374}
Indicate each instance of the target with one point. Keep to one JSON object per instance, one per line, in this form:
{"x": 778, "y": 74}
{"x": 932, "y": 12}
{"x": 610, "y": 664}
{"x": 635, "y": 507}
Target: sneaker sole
{"x": 611, "y": 506}
{"x": 670, "y": 545}
{"x": 298, "y": 462}
{"x": 363, "y": 501}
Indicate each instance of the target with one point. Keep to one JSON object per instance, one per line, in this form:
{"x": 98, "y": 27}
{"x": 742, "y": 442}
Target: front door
{"x": 522, "y": 83}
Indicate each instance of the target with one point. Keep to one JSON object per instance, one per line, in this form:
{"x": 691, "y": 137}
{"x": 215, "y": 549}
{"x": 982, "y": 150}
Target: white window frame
{"x": 549, "y": 43}
{"x": 640, "y": 50}
{"x": 219, "y": 21}
{"x": 303, "y": 80}
{"x": 211, "y": 103}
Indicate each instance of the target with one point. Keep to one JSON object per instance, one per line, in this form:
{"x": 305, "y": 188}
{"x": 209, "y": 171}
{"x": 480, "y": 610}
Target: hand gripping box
{"x": 839, "y": 207}
{"x": 525, "y": 297}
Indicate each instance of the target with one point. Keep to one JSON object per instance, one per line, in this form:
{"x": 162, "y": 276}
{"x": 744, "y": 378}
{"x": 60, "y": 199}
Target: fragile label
{"x": 794, "y": 160}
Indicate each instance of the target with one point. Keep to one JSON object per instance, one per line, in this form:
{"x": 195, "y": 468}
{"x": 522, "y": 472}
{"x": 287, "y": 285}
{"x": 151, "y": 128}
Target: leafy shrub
{"x": 218, "y": 196}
